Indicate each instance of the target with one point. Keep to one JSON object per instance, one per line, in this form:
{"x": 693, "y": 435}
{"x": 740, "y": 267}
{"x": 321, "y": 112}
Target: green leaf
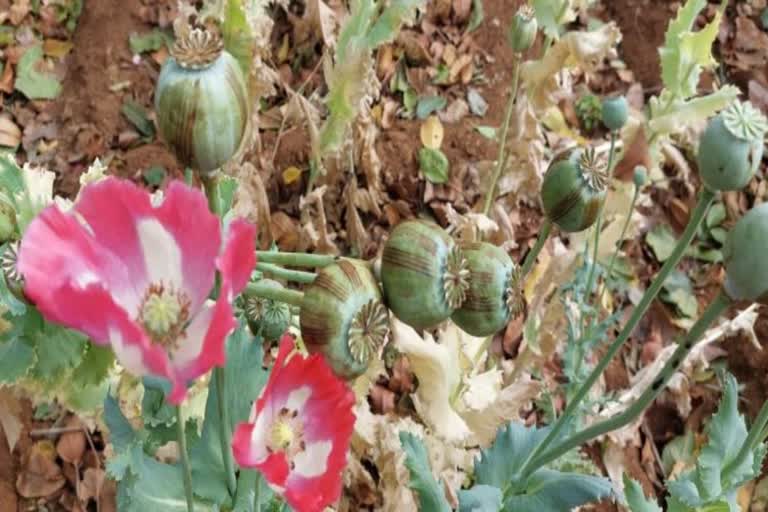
{"x": 155, "y": 410}
{"x": 148, "y": 42}
{"x": 387, "y": 26}
{"x": 477, "y": 16}
{"x": 552, "y": 490}
{"x": 504, "y": 458}
{"x": 716, "y": 215}
{"x": 679, "y": 450}
{"x": 480, "y": 498}
{"x": 489, "y": 132}
{"x": 434, "y": 165}
{"x": 636, "y": 498}
{"x": 662, "y": 240}
{"x": 8, "y": 300}
{"x": 95, "y": 366}
{"x": 136, "y": 114}
{"x": 238, "y": 36}
{"x": 16, "y": 357}
{"x": 246, "y": 482}
{"x": 670, "y": 115}
{"x": 428, "y": 105}
{"x": 244, "y": 377}
{"x": 678, "y": 291}
{"x": 31, "y": 82}
{"x": 685, "y": 52}
{"x": 58, "y": 349}
{"x": 429, "y": 490}
{"x": 549, "y": 14}
{"x": 121, "y": 433}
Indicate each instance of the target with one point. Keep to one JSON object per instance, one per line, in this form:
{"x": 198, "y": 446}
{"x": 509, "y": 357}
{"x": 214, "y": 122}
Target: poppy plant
{"x": 299, "y": 430}
{"x": 137, "y": 276}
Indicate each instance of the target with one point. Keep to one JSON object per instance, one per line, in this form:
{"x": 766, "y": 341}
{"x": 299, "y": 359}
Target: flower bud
{"x": 522, "y": 30}
{"x": 615, "y": 113}
{"x": 745, "y": 251}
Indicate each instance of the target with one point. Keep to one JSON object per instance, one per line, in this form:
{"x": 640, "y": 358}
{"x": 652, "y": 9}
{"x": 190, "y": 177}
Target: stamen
{"x": 164, "y": 313}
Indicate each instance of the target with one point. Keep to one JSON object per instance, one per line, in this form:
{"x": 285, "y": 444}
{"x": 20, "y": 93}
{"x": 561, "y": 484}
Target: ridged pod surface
{"x": 201, "y": 102}
{"x": 423, "y": 273}
{"x": 746, "y": 257}
{"x": 267, "y": 317}
{"x": 573, "y": 190}
{"x": 731, "y": 147}
{"x": 343, "y": 318}
{"x": 494, "y": 295}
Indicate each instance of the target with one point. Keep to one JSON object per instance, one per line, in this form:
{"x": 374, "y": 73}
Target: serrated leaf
{"x": 685, "y": 52}
{"x": 238, "y": 36}
{"x": 636, "y": 499}
{"x": 429, "y": 491}
{"x": 246, "y": 483}
{"x": 155, "y": 410}
{"x": 244, "y": 378}
{"x": 677, "y": 115}
{"x": 16, "y": 358}
{"x": 480, "y": 498}
{"x": 31, "y": 82}
{"x": 121, "y": 433}
{"x": 504, "y": 458}
{"x": 551, "y": 490}
{"x": 58, "y": 349}
{"x": 548, "y": 15}
{"x": 387, "y": 26}
{"x": 94, "y": 367}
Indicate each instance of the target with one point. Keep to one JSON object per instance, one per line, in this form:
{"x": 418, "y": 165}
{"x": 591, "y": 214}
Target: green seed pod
{"x": 731, "y": 147}
{"x": 267, "y": 317}
{"x": 573, "y": 190}
{"x": 522, "y": 30}
{"x": 201, "y": 102}
{"x": 424, "y": 274}
{"x": 615, "y": 112}
{"x": 343, "y": 318}
{"x": 745, "y": 251}
{"x": 494, "y": 295}
{"x": 641, "y": 176}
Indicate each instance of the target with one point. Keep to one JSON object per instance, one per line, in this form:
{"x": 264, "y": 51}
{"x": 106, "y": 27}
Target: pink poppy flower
{"x": 138, "y": 276}
{"x": 299, "y": 431}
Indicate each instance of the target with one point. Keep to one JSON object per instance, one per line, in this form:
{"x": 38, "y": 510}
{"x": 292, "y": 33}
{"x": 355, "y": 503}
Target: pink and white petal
{"x": 195, "y": 232}
{"x": 331, "y": 398}
{"x": 239, "y": 255}
{"x": 249, "y": 442}
{"x": 57, "y": 249}
{"x": 203, "y": 347}
{"x": 313, "y": 494}
{"x": 112, "y": 209}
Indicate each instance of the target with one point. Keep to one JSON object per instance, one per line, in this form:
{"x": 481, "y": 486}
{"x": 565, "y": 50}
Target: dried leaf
{"x": 10, "y": 414}
{"x": 432, "y": 132}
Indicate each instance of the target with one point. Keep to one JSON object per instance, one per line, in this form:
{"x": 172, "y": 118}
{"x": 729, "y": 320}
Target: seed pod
{"x": 615, "y": 112}
{"x": 342, "y": 317}
{"x": 745, "y": 251}
{"x": 424, "y": 274}
{"x": 640, "y": 176}
{"x": 731, "y": 147}
{"x": 494, "y": 294}
{"x": 522, "y": 31}
{"x": 269, "y": 318}
{"x": 573, "y": 190}
{"x": 201, "y": 102}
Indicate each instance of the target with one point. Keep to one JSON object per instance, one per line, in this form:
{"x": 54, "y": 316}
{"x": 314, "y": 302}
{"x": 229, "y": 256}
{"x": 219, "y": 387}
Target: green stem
{"x": 599, "y": 224}
{"x": 184, "y": 456}
{"x": 225, "y": 432}
{"x": 715, "y": 309}
{"x": 490, "y": 195}
{"x": 211, "y": 185}
{"x": 268, "y": 291}
{"x": 256, "y": 498}
{"x": 295, "y": 259}
{"x": 750, "y": 443}
{"x": 706, "y": 197}
{"x": 615, "y": 254}
{"x": 278, "y": 272}
{"x": 530, "y": 259}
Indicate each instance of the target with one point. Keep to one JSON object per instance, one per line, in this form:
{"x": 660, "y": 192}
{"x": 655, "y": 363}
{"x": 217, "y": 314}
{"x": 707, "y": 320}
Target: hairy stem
{"x": 296, "y": 259}
{"x": 184, "y": 456}
{"x": 715, "y": 309}
{"x": 225, "y": 432}
{"x": 490, "y": 194}
{"x": 269, "y": 291}
{"x": 278, "y": 272}
{"x": 599, "y": 223}
{"x": 530, "y": 259}
{"x": 706, "y": 197}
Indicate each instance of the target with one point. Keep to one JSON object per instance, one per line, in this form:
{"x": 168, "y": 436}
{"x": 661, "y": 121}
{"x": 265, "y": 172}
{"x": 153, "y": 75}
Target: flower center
{"x": 164, "y": 314}
{"x": 286, "y": 434}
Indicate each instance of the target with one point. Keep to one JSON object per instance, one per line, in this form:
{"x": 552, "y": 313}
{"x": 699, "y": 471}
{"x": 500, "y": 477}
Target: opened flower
{"x": 299, "y": 431}
{"x": 138, "y": 276}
